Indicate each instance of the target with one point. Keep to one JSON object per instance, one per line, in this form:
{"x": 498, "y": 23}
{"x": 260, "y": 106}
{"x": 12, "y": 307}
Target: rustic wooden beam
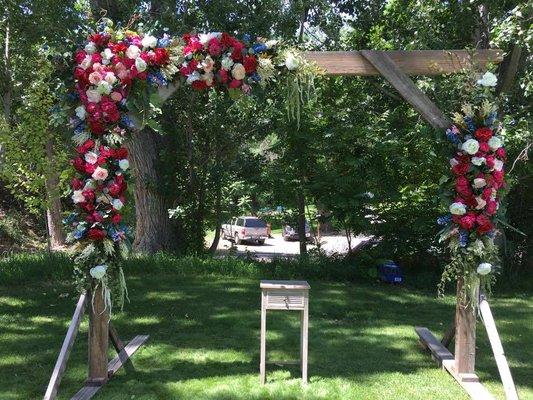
{"x": 98, "y": 336}
{"x": 410, "y": 62}
{"x": 508, "y": 70}
{"x": 407, "y": 88}
{"x": 119, "y": 347}
{"x": 61, "y": 363}
{"x": 448, "y": 336}
{"x": 465, "y": 334}
{"x": 497, "y": 348}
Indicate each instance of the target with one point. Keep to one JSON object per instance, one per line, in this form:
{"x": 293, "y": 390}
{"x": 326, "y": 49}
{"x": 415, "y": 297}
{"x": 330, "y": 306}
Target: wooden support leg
{"x": 262, "y": 362}
{"x": 119, "y": 347}
{"x": 304, "y": 340}
{"x": 465, "y": 335}
{"x": 448, "y": 336}
{"x": 98, "y": 337}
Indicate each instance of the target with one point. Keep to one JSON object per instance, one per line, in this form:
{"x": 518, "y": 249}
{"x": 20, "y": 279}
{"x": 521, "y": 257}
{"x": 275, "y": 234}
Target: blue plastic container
{"x": 390, "y": 272}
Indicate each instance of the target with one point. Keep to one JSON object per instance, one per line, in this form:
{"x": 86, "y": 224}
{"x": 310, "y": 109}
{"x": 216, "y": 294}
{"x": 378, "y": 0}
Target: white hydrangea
{"x": 471, "y": 146}
{"x": 291, "y": 61}
{"x": 117, "y": 204}
{"x": 478, "y": 160}
{"x": 495, "y": 143}
{"x": 90, "y": 48}
{"x": 80, "y": 112}
{"x": 457, "y": 209}
{"x": 98, "y": 272}
{"x": 226, "y": 63}
{"x": 484, "y": 268}
{"x": 124, "y": 164}
{"x": 149, "y": 41}
{"x": 133, "y": 52}
{"x": 140, "y": 64}
{"x": 488, "y": 79}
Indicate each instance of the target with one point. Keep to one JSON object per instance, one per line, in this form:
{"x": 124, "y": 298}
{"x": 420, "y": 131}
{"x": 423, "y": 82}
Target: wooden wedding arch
{"x": 395, "y": 67}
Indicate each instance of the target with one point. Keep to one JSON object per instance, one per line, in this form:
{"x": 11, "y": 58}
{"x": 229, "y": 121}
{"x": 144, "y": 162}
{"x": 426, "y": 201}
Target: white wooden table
{"x": 288, "y": 296}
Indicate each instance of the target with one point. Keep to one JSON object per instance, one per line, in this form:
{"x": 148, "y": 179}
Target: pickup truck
{"x": 245, "y": 229}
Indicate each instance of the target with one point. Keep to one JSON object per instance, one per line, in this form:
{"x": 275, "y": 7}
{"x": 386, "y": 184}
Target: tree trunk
{"x": 8, "y": 84}
{"x": 53, "y": 211}
{"x": 301, "y": 222}
{"x": 153, "y": 231}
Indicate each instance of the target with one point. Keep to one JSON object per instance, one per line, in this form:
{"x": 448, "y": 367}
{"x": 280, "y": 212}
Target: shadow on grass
{"x": 206, "y": 333}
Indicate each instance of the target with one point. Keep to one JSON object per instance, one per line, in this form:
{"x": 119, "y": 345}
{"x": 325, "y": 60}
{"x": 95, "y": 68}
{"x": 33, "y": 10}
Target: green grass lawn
{"x": 204, "y": 342}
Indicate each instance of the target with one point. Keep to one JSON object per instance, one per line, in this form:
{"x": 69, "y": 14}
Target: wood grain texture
{"x": 465, "y": 335}
{"x": 497, "y": 348}
{"x": 119, "y": 346}
{"x": 64, "y": 353}
{"x": 430, "y": 342}
{"x": 407, "y": 88}
{"x": 410, "y": 62}
{"x": 98, "y": 336}
{"x": 269, "y": 284}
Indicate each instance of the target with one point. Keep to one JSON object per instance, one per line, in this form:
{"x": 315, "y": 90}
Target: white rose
{"x": 93, "y": 96}
{"x": 140, "y": 64}
{"x": 87, "y": 62}
{"x": 100, "y": 174}
{"x": 78, "y": 197}
{"x": 91, "y": 157}
{"x": 80, "y": 112}
{"x": 488, "y": 79}
{"x": 479, "y": 183}
{"x": 495, "y": 143}
{"x": 471, "y": 146}
{"x": 480, "y": 203}
{"x": 238, "y": 71}
{"x": 90, "y": 48}
{"x": 110, "y": 78}
{"x": 149, "y": 41}
{"x": 498, "y": 165}
{"x": 133, "y": 52}
{"x": 484, "y": 268}
{"x": 104, "y": 87}
{"x": 107, "y": 55}
{"x": 478, "y": 160}
{"x": 458, "y": 209}
{"x": 271, "y": 43}
{"x": 226, "y": 63}
{"x": 117, "y": 204}
{"x": 124, "y": 164}
{"x": 291, "y": 62}
{"x": 206, "y": 37}
{"x": 454, "y": 162}
{"x": 98, "y": 272}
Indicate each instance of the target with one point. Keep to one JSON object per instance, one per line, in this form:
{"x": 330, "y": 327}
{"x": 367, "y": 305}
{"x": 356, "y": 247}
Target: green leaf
{"x": 155, "y": 125}
{"x": 443, "y": 179}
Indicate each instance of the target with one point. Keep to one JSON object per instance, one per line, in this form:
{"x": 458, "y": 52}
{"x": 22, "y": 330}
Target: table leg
{"x": 262, "y": 363}
{"x": 304, "y": 340}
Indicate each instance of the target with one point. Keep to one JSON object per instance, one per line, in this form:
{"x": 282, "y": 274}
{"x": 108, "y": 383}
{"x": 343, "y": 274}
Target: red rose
{"x": 250, "y": 64}
{"x": 116, "y": 218}
{"x": 99, "y": 39}
{"x": 214, "y": 47}
{"x": 471, "y": 201}
{"x": 96, "y": 58}
{"x": 89, "y": 194}
{"x": 115, "y": 189}
{"x": 120, "y": 47}
{"x": 120, "y": 153}
{"x": 498, "y": 177}
{"x": 96, "y": 234}
{"x": 78, "y": 164}
{"x": 487, "y": 193}
{"x": 236, "y": 54}
{"x": 96, "y": 127}
{"x": 81, "y": 75}
{"x": 460, "y": 169}
{"x": 142, "y": 75}
{"x": 199, "y": 85}
{"x": 226, "y": 40}
{"x": 223, "y": 76}
{"x": 501, "y": 153}
{"x": 483, "y": 134}
{"x": 484, "y": 224}
{"x": 468, "y": 221}
{"x": 492, "y": 207}
{"x": 76, "y": 183}
{"x": 89, "y": 168}
{"x": 79, "y": 56}
{"x": 483, "y": 147}
{"x": 160, "y": 56}
{"x": 234, "y": 84}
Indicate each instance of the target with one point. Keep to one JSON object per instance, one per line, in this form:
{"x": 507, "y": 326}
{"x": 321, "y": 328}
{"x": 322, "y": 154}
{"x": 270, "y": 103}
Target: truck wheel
{"x": 237, "y": 240}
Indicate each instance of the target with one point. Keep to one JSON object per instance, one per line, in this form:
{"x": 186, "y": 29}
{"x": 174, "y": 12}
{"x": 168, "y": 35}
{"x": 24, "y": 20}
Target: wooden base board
{"x": 469, "y": 382}
{"x": 89, "y": 390}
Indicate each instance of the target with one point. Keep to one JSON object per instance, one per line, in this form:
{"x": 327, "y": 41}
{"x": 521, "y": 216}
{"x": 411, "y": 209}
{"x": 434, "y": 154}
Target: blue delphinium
{"x": 157, "y": 79}
{"x": 490, "y": 119}
{"x": 259, "y": 47}
{"x": 246, "y": 37}
{"x": 79, "y": 232}
{"x": 444, "y": 219}
{"x": 452, "y": 137}
{"x": 255, "y": 77}
{"x": 164, "y": 41}
{"x": 70, "y": 219}
{"x": 463, "y": 238}
{"x": 80, "y": 128}
{"x": 127, "y": 122}
{"x": 470, "y": 125}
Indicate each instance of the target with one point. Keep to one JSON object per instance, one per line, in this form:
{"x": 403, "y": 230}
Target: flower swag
{"x": 475, "y": 193}
{"x": 119, "y": 76}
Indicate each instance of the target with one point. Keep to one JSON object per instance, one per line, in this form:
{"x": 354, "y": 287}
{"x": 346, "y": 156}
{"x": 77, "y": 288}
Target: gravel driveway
{"x": 277, "y": 247}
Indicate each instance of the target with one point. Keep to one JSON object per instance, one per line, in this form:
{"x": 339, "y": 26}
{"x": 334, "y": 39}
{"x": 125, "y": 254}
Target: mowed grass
{"x": 204, "y": 342}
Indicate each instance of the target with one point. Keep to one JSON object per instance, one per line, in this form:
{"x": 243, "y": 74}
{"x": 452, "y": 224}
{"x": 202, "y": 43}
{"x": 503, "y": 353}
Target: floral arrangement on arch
{"x": 118, "y": 75}
{"x": 477, "y": 188}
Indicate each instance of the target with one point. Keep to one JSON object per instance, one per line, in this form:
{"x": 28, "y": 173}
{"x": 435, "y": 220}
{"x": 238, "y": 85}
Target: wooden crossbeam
{"x": 410, "y": 62}
{"x": 61, "y": 363}
{"x": 430, "y": 342}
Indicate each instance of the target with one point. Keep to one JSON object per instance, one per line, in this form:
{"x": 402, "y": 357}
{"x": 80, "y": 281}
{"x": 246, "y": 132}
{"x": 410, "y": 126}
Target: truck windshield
{"x": 255, "y": 223}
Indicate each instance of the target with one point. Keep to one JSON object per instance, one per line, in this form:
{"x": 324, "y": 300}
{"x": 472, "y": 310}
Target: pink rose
{"x": 100, "y": 174}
